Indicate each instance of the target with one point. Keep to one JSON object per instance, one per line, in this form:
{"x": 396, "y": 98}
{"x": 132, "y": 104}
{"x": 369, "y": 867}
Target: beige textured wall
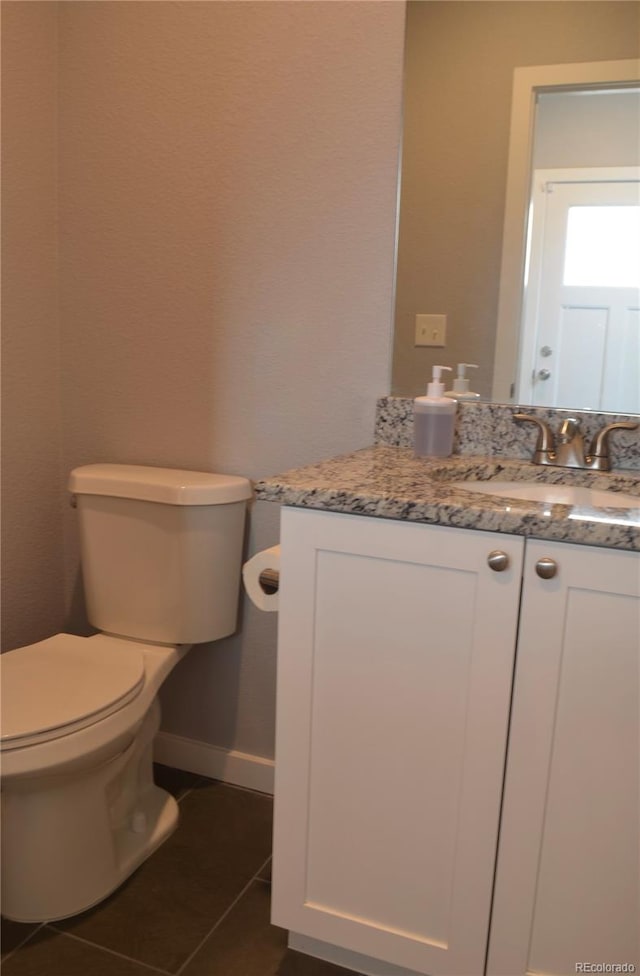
{"x": 32, "y": 583}
{"x": 460, "y": 58}
{"x": 227, "y": 195}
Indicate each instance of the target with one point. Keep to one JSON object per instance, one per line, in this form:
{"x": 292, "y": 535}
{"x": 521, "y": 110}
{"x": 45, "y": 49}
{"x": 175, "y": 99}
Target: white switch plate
{"x": 431, "y": 330}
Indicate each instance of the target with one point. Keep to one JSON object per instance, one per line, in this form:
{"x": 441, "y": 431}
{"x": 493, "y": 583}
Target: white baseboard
{"x": 228, "y": 765}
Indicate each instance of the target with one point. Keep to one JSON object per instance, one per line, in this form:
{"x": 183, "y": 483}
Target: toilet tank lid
{"x": 167, "y": 485}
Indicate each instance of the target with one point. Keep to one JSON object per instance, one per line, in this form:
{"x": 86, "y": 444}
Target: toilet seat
{"x": 65, "y": 683}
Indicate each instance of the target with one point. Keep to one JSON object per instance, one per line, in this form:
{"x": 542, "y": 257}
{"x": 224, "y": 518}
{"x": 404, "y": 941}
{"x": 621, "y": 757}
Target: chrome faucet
{"x": 567, "y": 450}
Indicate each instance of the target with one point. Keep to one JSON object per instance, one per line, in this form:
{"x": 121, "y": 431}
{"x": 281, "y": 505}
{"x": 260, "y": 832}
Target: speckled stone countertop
{"x": 386, "y": 481}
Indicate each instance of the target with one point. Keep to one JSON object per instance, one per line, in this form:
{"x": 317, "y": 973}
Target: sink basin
{"x": 536, "y": 491}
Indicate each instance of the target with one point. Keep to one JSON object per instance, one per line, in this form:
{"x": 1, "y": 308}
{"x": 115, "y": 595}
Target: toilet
{"x": 161, "y": 553}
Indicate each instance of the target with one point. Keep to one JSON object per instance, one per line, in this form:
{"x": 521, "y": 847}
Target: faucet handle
{"x": 568, "y": 430}
{"x": 545, "y": 444}
{"x": 599, "y": 451}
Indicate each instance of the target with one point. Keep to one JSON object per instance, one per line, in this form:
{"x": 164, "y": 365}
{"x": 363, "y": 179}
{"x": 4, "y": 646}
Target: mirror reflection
{"x": 580, "y": 344}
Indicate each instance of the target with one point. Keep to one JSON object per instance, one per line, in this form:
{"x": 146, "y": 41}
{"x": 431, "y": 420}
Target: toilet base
{"x": 70, "y": 839}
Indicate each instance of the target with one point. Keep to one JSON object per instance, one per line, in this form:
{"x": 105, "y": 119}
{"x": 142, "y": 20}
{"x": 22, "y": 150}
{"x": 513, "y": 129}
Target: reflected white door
{"x": 581, "y": 345}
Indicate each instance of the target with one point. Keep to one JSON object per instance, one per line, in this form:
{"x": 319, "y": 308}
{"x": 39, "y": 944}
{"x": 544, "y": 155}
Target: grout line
{"x": 268, "y": 880}
{"x": 189, "y": 790}
{"x": 23, "y": 943}
{"x": 223, "y": 916}
{"x": 111, "y": 952}
{"x": 186, "y": 793}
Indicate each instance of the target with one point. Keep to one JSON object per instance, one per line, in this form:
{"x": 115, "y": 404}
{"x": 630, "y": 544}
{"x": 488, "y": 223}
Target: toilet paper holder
{"x": 269, "y": 580}
{"x": 261, "y": 577}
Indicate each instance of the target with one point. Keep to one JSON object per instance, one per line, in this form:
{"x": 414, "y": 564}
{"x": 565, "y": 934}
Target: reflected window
{"x": 603, "y": 247}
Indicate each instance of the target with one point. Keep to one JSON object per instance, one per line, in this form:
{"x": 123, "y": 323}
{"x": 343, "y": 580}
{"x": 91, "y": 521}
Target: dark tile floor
{"x": 199, "y": 906}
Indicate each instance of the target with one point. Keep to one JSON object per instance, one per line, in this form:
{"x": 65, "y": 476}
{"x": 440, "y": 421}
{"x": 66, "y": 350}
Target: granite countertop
{"x": 389, "y": 482}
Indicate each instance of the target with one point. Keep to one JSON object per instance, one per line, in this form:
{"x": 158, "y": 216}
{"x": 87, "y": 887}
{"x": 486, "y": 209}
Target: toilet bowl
{"x": 80, "y": 810}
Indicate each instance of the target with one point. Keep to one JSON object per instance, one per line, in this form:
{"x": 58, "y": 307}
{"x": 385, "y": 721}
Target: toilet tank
{"x": 161, "y": 550}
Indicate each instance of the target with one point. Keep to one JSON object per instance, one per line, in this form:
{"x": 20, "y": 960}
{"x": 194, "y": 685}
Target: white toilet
{"x": 161, "y": 555}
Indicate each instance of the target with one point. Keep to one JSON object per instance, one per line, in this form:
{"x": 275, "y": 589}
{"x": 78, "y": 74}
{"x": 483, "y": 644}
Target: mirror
{"x": 571, "y": 283}
{"x": 461, "y": 60}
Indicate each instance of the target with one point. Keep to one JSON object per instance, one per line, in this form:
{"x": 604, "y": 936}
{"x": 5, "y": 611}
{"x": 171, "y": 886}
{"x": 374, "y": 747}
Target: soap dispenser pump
{"x": 434, "y": 419}
{"x": 461, "y": 389}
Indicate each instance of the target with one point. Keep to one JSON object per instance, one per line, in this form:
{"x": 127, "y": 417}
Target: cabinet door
{"x": 567, "y": 878}
{"x": 395, "y": 661}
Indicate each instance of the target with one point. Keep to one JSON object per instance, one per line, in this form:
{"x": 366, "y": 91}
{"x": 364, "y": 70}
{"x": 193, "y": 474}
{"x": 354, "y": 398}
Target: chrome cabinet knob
{"x": 544, "y": 374}
{"x": 498, "y": 560}
{"x": 546, "y": 568}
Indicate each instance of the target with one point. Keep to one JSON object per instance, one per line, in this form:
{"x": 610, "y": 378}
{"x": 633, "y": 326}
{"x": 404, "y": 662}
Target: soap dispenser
{"x": 461, "y": 389}
{"x": 434, "y": 419}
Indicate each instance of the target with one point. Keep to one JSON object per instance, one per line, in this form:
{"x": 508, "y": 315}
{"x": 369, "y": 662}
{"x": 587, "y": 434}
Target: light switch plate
{"x": 431, "y": 330}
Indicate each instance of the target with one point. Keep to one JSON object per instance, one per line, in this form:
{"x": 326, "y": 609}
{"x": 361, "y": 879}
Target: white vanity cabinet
{"x": 396, "y": 654}
{"x": 569, "y": 854}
